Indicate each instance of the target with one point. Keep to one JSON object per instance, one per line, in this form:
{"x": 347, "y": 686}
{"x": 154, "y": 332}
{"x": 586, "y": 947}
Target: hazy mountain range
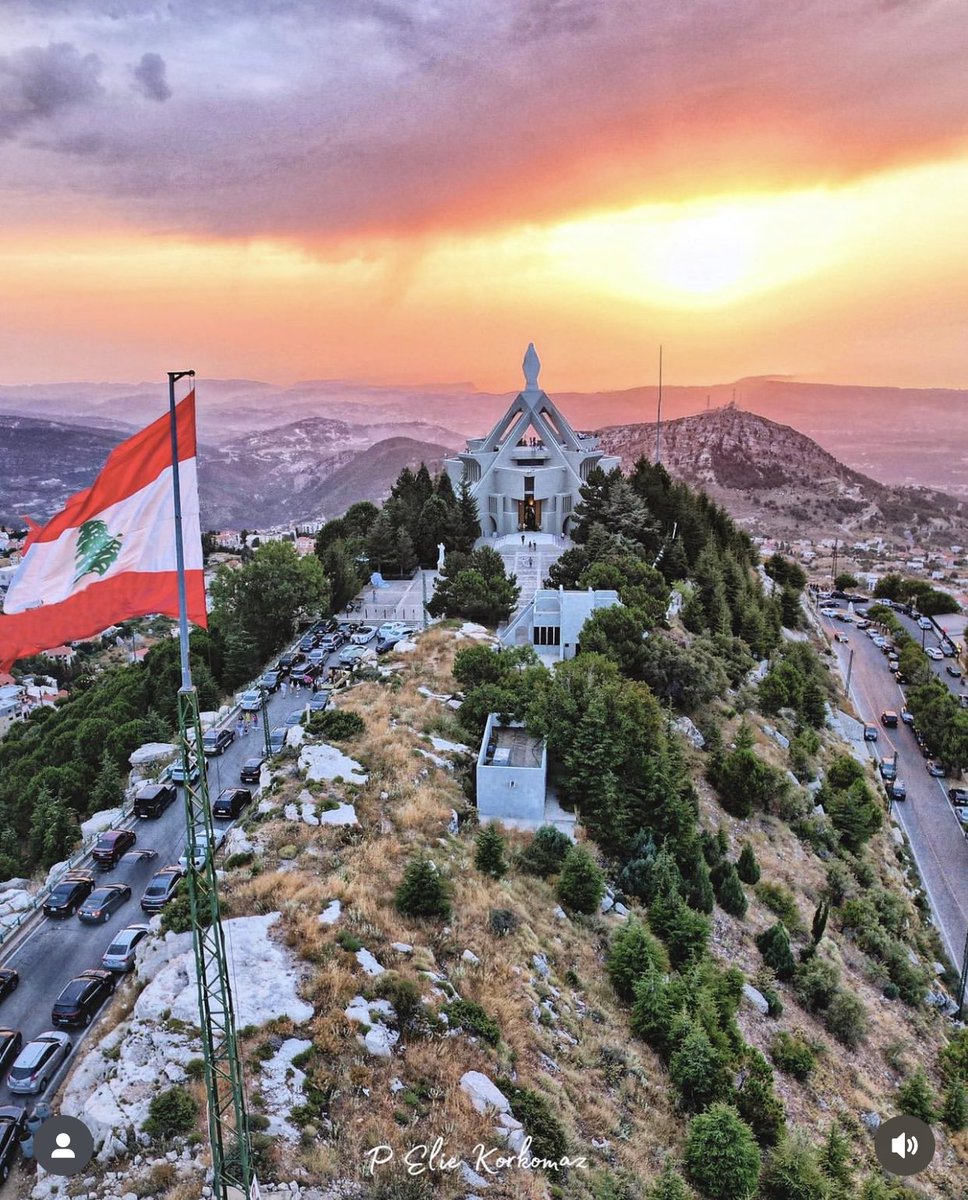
{"x": 272, "y": 454}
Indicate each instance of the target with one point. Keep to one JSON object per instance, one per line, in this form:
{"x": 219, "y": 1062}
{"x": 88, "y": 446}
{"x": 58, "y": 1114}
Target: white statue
{"x": 440, "y": 556}
{"x": 531, "y": 365}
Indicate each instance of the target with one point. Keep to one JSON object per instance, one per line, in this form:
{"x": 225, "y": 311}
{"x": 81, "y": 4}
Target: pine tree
{"x": 747, "y": 868}
{"x": 108, "y": 790}
{"x": 422, "y": 891}
{"x": 915, "y": 1098}
{"x": 652, "y": 1015}
{"x": 955, "y": 1108}
{"x": 669, "y": 1186}
{"x": 445, "y": 490}
{"x": 468, "y": 524}
{"x": 774, "y": 945}
{"x": 721, "y": 1154}
{"x": 835, "y": 1157}
{"x": 436, "y": 524}
{"x": 730, "y": 894}
{"x": 581, "y": 884}
{"x": 633, "y": 952}
{"x": 758, "y": 1103}
{"x": 405, "y": 554}
{"x": 489, "y": 852}
{"x": 698, "y": 1071}
{"x": 381, "y": 543}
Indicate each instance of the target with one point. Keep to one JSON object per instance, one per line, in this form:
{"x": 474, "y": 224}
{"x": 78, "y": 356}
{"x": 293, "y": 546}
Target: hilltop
{"x": 777, "y": 481}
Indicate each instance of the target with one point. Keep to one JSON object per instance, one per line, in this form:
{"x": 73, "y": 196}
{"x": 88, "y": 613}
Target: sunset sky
{"x": 408, "y": 192}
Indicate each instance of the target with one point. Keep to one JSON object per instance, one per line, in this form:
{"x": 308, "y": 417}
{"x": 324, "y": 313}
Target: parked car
{"x": 953, "y": 670}
{"x": 897, "y": 790}
{"x": 293, "y": 718}
{"x": 319, "y": 700}
{"x": 307, "y": 643}
{"x": 907, "y": 716}
{"x": 838, "y": 637}
{"x": 933, "y": 653}
{"x": 161, "y": 887}
{"x": 333, "y": 641}
{"x": 251, "y": 701}
{"x": 935, "y": 769}
{"x": 271, "y": 680}
{"x": 863, "y": 624}
{"x": 217, "y": 741}
{"x": 318, "y": 657}
{"x": 103, "y": 902}
{"x": 111, "y": 847}
{"x": 37, "y": 1063}
{"x": 350, "y": 656}
{"x": 153, "y": 798}
{"x": 13, "y": 1127}
{"x": 948, "y": 649}
{"x": 365, "y": 633}
{"x": 230, "y": 802}
{"x": 119, "y": 956}
{"x": 889, "y": 718}
{"x": 277, "y": 739}
{"x": 887, "y": 768}
{"x": 870, "y": 733}
{"x": 252, "y": 769}
{"x": 79, "y": 1001}
{"x": 958, "y": 795}
{"x": 68, "y": 894}
{"x": 925, "y": 623}
{"x": 176, "y": 773}
{"x": 202, "y": 847}
{"x": 308, "y": 676}
{"x": 9, "y": 979}
{"x": 11, "y": 1043}
{"x": 285, "y": 661}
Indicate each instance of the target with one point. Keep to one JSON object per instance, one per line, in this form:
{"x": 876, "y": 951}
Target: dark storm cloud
{"x": 150, "y": 77}
{"x": 39, "y": 82}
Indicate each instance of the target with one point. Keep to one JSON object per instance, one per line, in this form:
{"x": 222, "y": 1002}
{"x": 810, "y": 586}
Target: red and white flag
{"x": 110, "y": 553}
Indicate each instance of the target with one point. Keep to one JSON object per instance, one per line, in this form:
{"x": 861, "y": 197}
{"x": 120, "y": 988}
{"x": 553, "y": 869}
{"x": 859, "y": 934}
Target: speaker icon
{"x": 903, "y": 1145}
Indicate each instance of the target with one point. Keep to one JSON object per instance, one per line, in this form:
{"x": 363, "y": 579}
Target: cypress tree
{"x": 774, "y": 945}
{"x": 468, "y": 525}
{"x": 489, "y": 852}
{"x": 698, "y": 1071}
{"x": 747, "y": 868}
{"x": 108, "y": 790}
{"x": 730, "y": 894}
{"x": 422, "y": 891}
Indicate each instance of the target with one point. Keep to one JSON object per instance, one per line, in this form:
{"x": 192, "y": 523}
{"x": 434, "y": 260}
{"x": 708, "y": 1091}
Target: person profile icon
{"x": 63, "y": 1150}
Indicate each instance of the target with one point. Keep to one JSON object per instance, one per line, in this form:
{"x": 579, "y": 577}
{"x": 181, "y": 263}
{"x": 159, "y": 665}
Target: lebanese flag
{"x": 110, "y": 553}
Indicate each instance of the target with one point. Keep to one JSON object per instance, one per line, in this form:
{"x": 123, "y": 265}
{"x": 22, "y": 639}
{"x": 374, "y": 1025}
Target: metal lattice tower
{"x": 228, "y": 1126}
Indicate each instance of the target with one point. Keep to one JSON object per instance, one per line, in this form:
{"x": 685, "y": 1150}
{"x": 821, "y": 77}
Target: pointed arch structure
{"x": 527, "y": 473}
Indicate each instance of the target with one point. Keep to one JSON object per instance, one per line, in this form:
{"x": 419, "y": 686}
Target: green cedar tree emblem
{"x": 96, "y": 549}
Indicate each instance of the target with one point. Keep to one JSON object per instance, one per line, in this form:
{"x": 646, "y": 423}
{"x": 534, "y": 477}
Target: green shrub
{"x": 502, "y": 921}
{"x": 581, "y": 884}
{"x": 793, "y": 1054}
{"x": 652, "y": 1012}
{"x": 954, "y": 1110}
{"x": 632, "y": 952}
{"x": 195, "y": 1069}
{"x": 337, "y": 724}
{"x": 171, "y": 1113}
{"x": 953, "y": 1058}
{"x": 548, "y": 1138}
{"x": 781, "y": 901}
{"x": 793, "y": 1173}
{"x": 489, "y": 857}
{"x": 469, "y": 1016}
{"x": 758, "y": 1103}
{"x": 546, "y": 853}
{"x": 721, "y": 1156}
{"x": 774, "y": 945}
{"x": 915, "y": 1098}
{"x": 404, "y": 995}
{"x": 241, "y": 859}
{"x": 669, "y": 1186}
{"x": 422, "y": 891}
{"x": 348, "y": 941}
{"x": 684, "y": 931}
{"x": 816, "y": 983}
{"x": 747, "y": 868}
{"x": 846, "y": 1019}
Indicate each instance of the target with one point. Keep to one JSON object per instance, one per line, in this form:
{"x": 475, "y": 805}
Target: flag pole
{"x": 186, "y": 670}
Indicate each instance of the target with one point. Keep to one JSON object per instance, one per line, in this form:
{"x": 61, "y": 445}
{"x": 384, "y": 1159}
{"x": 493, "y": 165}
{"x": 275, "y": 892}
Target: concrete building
{"x": 512, "y": 769}
{"x": 526, "y": 474}
{"x": 552, "y": 622}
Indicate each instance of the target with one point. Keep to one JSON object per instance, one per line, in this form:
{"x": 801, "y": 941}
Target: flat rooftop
{"x": 513, "y": 748}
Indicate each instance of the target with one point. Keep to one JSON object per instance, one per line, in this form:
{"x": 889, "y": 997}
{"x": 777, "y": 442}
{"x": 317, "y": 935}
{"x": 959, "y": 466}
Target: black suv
{"x": 13, "y": 1126}
{"x": 83, "y": 996}
{"x": 153, "y": 798}
{"x": 230, "y": 802}
{"x": 11, "y": 1043}
{"x": 111, "y": 847}
{"x": 252, "y": 769}
{"x": 217, "y": 741}
{"x": 68, "y": 895}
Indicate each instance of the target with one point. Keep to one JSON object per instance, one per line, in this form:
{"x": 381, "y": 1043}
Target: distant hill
{"x": 776, "y": 480}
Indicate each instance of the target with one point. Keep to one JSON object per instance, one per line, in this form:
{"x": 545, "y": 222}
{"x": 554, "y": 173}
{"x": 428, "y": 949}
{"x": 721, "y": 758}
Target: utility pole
{"x": 264, "y": 706}
{"x": 850, "y": 667}
{"x": 658, "y": 416}
{"x": 963, "y": 981}
{"x": 423, "y": 589}
{"x": 228, "y": 1125}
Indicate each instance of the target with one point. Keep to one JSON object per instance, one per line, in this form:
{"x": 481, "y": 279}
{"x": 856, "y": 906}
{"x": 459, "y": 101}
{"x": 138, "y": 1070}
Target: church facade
{"x": 527, "y": 473}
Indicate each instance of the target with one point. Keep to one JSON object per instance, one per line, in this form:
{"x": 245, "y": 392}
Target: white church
{"x": 526, "y": 474}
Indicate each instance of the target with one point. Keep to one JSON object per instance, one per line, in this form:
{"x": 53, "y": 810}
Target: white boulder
{"x": 484, "y": 1093}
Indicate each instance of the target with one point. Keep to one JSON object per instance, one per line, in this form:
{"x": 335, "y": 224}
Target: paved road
{"x": 56, "y": 950}
{"x": 931, "y": 638}
{"x": 933, "y": 830}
